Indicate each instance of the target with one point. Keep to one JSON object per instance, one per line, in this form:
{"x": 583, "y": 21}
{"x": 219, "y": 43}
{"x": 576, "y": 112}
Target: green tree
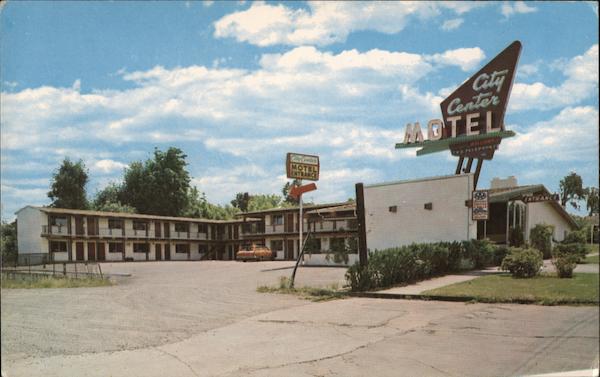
{"x": 592, "y": 203}
{"x": 571, "y": 190}
{"x": 160, "y": 186}
{"x": 198, "y": 206}
{"x": 68, "y": 186}
{"x": 8, "y": 242}
{"x": 109, "y": 200}
{"x": 241, "y": 201}
{"x": 286, "y": 192}
{"x": 262, "y": 202}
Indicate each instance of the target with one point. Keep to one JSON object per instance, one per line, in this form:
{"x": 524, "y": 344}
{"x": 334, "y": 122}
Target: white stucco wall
{"x": 449, "y": 219}
{"x": 543, "y": 212}
{"x": 29, "y": 229}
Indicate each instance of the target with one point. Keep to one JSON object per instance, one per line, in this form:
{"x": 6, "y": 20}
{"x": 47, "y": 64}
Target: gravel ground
{"x": 162, "y": 302}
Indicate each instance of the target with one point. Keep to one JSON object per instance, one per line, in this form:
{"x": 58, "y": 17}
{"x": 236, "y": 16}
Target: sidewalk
{"x": 442, "y": 281}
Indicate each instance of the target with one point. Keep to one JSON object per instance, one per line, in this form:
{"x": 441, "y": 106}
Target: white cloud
{"x": 581, "y": 83}
{"x": 570, "y": 135}
{"x": 326, "y": 22}
{"x": 452, "y": 24}
{"x": 350, "y": 107}
{"x": 465, "y": 58}
{"x": 516, "y": 7}
{"x": 107, "y": 166}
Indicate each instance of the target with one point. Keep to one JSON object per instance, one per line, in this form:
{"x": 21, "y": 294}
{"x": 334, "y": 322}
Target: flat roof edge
{"x": 434, "y": 178}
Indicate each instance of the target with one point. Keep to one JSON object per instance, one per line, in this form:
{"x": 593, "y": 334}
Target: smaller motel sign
{"x": 480, "y": 210}
{"x": 302, "y": 166}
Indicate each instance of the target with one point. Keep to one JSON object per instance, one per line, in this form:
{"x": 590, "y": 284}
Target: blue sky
{"x": 236, "y": 85}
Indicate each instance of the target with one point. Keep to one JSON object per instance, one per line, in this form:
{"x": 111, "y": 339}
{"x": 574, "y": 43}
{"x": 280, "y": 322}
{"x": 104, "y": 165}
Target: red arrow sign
{"x": 297, "y": 191}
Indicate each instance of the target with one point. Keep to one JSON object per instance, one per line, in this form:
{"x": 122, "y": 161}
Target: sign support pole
{"x": 300, "y": 223}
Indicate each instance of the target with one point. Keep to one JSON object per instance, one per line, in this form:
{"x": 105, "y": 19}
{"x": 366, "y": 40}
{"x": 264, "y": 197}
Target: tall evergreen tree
{"x": 68, "y": 185}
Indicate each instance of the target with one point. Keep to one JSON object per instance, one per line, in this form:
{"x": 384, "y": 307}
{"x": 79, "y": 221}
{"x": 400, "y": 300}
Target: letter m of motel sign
{"x": 302, "y": 166}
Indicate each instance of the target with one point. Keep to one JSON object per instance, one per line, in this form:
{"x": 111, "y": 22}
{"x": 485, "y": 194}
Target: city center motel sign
{"x": 472, "y": 124}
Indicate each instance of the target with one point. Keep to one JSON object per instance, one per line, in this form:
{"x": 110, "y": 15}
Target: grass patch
{"x": 22, "y": 282}
{"x": 592, "y": 248}
{"x": 309, "y": 293}
{"x": 591, "y": 259}
{"x": 544, "y": 289}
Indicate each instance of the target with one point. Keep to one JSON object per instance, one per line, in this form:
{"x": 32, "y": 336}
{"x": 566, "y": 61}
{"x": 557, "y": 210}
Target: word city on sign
{"x": 302, "y": 166}
{"x": 476, "y": 108}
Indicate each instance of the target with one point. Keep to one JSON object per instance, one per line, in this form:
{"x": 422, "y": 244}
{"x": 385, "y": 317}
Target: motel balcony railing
{"x": 137, "y": 233}
{"x": 111, "y": 232}
{"x": 54, "y": 229}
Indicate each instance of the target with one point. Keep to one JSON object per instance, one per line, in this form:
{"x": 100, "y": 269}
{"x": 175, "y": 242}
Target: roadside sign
{"x": 302, "y": 166}
{"x": 481, "y": 207}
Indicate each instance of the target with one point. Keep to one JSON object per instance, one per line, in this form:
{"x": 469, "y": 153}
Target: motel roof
{"x": 307, "y": 207}
{"x": 501, "y": 195}
{"x": 82, "y": 212}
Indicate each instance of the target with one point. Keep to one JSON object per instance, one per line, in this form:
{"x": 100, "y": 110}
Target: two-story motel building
{"x": 78, "y": 235}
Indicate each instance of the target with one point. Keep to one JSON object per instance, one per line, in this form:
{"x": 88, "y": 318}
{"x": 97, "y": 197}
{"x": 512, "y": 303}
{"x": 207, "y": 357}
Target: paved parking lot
{"x": 206, "y": 319}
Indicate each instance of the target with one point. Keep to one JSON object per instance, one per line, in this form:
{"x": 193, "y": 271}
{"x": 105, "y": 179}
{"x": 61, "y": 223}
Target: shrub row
{"x": 418, "y": 261}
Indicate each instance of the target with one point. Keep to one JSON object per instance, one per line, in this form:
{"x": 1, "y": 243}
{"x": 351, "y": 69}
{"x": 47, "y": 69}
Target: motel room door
{"x": 289, "y": 249}
{"x": 158, "y": 251}
{"x": 167, "y": 252}
{"x": 91, "y": 251}
{"x": 79, "y": 251}
{"x": 101, "y": 255}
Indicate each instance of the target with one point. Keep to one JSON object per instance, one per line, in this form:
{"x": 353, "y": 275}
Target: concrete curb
{"x": 397, "y": 296}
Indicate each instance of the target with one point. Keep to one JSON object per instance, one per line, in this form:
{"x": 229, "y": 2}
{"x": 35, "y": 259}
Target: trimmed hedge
{"x": 417, "y": 262}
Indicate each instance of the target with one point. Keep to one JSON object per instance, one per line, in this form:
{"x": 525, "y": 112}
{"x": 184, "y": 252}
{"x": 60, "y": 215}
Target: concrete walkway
{"x": 442, "y": 281}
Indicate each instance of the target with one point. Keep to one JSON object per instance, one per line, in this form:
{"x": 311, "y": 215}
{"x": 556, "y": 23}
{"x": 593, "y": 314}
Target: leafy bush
{"x": 480, "y": 252}
{"x": 577, "y": 236}
{"x": 499, "y": 253}
{"x": 522, "y": 263}
{"x": 541, "y": 238}
{"x": 577, "y": 250}
{"x": 415, "y": 262}
{"x": 565, "y": 265}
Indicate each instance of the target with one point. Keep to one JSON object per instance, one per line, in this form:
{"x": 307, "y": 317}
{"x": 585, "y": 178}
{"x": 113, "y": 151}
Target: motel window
{"x": 182, "y": 248}
{"x": 181, "y": 227}
{"x": 313, "y": 245}
{"x": 352, "y": 224}
{"x": 202, "y": 228}
{"x": 277, "y": 220}
{"x": 277, "y": 245}
{"x": 115, "y": 224}
{"x": 139, "y": 225}
{"x": 58, "y": 247}
{"x": 114, "y": 247}
{"x": 202, "y": 248}
{"x": 337, "y": 244}
{"x": 516, "y": 215}
{"x": 140, "y": 248}
{"x": 58, "y": 221}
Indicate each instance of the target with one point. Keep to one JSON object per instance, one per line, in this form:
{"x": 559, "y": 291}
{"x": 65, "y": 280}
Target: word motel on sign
{"x": 435, "y": 127}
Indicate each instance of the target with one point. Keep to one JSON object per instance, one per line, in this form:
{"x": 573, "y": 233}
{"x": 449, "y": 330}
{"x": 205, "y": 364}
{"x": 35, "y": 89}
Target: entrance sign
{"x": 481, "y": 205}
{"x": 473, "y": 112}
{"x": 302, "y": 166}
{"x": 540, "y": 198}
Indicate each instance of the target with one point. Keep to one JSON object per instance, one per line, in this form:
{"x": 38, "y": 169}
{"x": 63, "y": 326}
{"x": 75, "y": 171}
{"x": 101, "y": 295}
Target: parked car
{"x": 256, "y": 253}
